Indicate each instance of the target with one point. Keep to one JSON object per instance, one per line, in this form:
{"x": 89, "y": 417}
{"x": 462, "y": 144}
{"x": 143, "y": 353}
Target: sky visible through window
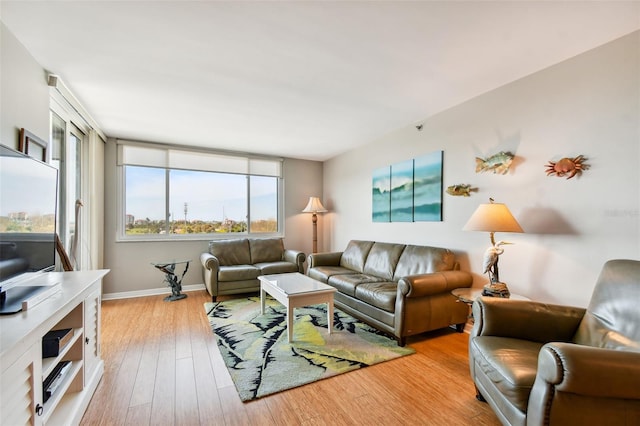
{"x": 209, "y": 196}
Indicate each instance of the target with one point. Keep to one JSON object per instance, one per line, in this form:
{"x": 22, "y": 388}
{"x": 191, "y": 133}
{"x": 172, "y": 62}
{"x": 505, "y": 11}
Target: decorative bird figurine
{"x": 76, "y": 231}
{"x": 490, "y": 260}
{"x": 490, "y": 266}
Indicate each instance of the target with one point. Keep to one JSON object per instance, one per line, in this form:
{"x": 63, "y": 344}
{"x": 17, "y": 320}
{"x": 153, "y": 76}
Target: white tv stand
{"x": 22, "y": 368}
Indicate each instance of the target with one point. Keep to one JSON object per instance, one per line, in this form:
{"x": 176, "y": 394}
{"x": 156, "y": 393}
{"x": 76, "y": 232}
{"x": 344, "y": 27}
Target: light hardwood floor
{"x": 162, "y": 367}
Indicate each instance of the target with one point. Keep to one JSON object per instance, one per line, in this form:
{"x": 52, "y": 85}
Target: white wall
{"x": 130, "y": 262}
{"x": 24, "y": 94}
{"x": 586, "y": 105}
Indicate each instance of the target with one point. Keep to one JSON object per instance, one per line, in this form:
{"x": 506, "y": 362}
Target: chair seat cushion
{"x": 510, "y": 364}
{"x": 238, "y": 273}
{"x": 279, "y": 267}
{"x": 347, "y": 283}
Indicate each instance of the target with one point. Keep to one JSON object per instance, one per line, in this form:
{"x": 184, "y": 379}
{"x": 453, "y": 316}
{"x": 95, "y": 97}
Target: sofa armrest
{"x": 324, "y": 259}
{"x": 209, "y": 262}
{"x": 434, "y": 283}
{"x": 522, "y": 319}
{"x": 295, "y": 256}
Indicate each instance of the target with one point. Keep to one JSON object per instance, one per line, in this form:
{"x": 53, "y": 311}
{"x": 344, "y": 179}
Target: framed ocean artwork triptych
{"x": 409, "y": 191}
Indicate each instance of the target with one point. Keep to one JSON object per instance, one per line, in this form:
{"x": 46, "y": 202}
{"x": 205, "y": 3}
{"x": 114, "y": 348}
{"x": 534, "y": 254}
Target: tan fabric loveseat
{"x": 400, "y": 289}
{"x": 233, "y": 266}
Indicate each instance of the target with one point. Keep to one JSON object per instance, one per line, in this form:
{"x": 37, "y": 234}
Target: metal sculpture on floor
{"x": 172, "y": 279}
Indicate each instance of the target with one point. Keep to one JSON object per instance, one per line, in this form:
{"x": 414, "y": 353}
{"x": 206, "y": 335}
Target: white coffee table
{"x": 295, "y": 290}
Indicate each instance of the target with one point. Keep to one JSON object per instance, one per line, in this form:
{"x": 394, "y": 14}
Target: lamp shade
{"x": 493, "y": 217}
{"x": 314, "y": 206}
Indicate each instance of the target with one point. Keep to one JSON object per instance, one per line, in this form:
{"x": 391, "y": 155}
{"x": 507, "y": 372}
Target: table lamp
{"x": 314, "y": 206}
{"x": 492, "y": 218}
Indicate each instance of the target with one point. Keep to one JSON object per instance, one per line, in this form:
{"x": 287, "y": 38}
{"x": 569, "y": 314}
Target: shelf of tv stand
{"x": 48, "y": 364}
{"x": 22, "y": 368}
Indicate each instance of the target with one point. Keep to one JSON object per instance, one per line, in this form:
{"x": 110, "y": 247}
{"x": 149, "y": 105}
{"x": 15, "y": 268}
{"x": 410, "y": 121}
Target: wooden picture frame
{"x": 32, "y": 145}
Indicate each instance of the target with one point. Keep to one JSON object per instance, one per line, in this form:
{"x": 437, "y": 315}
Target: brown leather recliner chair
{"x": 540, "y": 364}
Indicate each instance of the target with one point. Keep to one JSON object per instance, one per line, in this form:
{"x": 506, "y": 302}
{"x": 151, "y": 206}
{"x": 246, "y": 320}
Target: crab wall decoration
{"x": 567, "y": 166}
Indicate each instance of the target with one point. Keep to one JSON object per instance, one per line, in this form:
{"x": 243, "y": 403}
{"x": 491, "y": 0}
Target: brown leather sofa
{"x": 539, "y": 364}
{"x": 233, "y": 266}
{"x": 400, "y": 289}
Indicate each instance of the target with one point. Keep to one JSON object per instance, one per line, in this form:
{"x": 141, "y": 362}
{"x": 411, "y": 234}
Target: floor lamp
{"x": 314, "y": 206}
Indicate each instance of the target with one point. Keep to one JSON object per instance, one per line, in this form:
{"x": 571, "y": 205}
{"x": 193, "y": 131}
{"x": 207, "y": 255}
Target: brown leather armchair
{"x": 540, "y": 364}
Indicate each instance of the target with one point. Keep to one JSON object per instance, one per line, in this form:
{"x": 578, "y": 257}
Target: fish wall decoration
{"x": 461, "y": 190}
{"x": 497, "y": 163}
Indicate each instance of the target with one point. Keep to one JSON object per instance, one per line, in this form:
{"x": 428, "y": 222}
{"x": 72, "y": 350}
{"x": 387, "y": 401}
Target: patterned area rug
{"x": 262, "y": 362}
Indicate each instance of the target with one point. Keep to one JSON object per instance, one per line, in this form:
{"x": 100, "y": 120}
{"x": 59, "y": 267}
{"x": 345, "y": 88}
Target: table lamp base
{"x": 496, "y": 290}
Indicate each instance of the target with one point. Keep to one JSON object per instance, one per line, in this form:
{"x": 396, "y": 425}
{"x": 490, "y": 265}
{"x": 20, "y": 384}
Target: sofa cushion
{"x": 347, "y": 283}
{"x": 231, "y": 252}
{"x": 354, "y": 256}
{"x": 379, "y": 294}
{"x": 383, "y": 259}
{"x": 238, "y": 273}
{"x": 323, "y": 273}
{"x": 513, "y": 375}
{"x": 266, "y": 250}
{"x": 281, "y": 267}
{"x": 423, "y": 260}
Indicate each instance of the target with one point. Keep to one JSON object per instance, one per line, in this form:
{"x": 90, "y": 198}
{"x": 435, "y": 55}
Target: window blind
{"x": 173, "y": 158}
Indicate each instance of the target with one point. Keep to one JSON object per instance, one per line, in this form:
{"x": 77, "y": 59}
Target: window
{"x": 174, "y": 193}
{"x": 67, "y": 143}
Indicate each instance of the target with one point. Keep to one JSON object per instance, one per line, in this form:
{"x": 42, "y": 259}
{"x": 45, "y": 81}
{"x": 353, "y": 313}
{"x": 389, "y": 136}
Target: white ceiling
{"x": 303, "y": 79}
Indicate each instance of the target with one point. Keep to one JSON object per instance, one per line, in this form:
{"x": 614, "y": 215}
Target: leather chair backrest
{"x": 231, "y": 252}
{"x": 613, "y": 315}
{"x": 266, "y": 250}
{"x": 383, "y": 259}
{"x": 354, "y": 256}
{"x": 424, "y": 260}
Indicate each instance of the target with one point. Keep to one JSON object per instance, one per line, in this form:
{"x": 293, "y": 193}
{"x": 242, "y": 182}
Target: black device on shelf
{"x": 28, "y": 206}
{"x": 54, "y": 341}
{"x": 53, "y": 380}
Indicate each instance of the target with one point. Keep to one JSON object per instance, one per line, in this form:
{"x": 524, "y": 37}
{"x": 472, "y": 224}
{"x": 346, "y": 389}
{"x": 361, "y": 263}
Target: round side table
{"x": 468, "y": 295}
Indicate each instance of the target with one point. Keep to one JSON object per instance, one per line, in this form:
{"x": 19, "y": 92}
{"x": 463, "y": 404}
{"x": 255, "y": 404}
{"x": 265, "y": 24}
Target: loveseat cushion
{"x": 424, "y": 260}
{"x": 280, "y": 267}
{"x": 355, "y": 255}
{"x": 383, "y": 259}
{"x": 231, "y": 252}
{"x": 347, "y": 283}
{"x": 238, "y": 273}
{"x": 379, "y": 294}
{"x": 510, "y": 364}
{"x": 266, "y": 250}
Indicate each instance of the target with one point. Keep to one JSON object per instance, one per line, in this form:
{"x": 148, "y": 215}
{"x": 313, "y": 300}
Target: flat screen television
{"x": 28, "y": 204}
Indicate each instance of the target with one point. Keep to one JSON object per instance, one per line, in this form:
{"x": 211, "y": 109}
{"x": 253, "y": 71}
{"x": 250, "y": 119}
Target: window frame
{"x": 121, "y": 195}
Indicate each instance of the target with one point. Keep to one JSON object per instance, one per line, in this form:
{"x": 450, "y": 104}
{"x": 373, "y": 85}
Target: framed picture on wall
{"x": 381, "y": 194}
{"x": 32, "y": 145}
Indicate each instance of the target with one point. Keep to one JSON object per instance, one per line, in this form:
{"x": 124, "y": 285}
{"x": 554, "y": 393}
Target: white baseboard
{"x": 150, "y": 292}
